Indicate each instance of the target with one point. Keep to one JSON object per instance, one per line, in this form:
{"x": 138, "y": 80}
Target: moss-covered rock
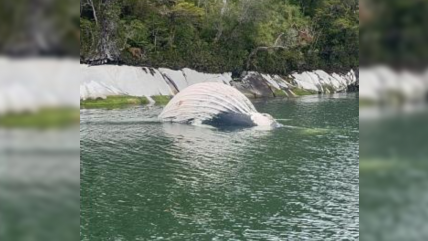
{"x": 161, "y": 99}
{"x": 113, "y": 102}
{"x": 396, "y": 98}
{"x": 280, "y": 93}
{"x": 301, "y": 92}
{"x": 330, "y": 88}
{"x": 45, "y": 118}
{"x": 366, "y": 103}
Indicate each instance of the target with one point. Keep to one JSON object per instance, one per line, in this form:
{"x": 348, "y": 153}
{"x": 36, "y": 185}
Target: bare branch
{"x": 265, "y": 48}
{"x": 91, "y": 3}
{"x": 277, "y": 39}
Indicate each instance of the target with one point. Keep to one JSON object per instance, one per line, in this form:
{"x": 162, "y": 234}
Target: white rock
{"x": 176, "y": 76}
{"x": 33, "y": 83}
{"x": 370, "y": 85}
{"x": 194, "y": 77}
{"x": 316, "y": 81}
{"x": 412, "y": 85}
{"x": 271, "y": 81}
{"x": 135, "y": 81}
{"x": 304, "y": 81}
{"x": 325, "y": 78}
{"x": 282, "y": 82}
{"x": 94, "y": 90}
{"x": 388, "y": 79}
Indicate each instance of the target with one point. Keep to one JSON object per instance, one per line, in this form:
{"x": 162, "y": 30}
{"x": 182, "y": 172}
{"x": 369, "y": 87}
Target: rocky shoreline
{"x": 33, "y": 84}
{"x": 100, "y": 82}
{"x": 385, "y": 86}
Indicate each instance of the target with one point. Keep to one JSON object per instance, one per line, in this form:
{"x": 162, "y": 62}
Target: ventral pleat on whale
{"x": 215, "y": 104}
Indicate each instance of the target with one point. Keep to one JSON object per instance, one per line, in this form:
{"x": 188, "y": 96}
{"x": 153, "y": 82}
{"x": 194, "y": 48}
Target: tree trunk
{"x": 107, "y": 50}
{"x": 220, "y": 27}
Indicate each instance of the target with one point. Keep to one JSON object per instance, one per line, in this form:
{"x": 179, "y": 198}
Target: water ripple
{"x": 145, "y": 180}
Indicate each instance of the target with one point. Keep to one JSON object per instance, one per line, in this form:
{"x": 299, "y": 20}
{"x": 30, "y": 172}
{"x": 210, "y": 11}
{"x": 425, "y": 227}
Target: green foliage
{"x": 301, "y": 92}
{"x": 134, "y": 32}
{"x": 366, "y": 103}
{"x": 394, "y": 33}
{"x": 219, "y": 36}
{"x": 161, "y": 99}
{"x": 337, "y": 22}
{"x": 45, "y": 118}
{"x": 88, "y": 35}
{"x": 280, "y": 93}
{"x": 113, "y": 102}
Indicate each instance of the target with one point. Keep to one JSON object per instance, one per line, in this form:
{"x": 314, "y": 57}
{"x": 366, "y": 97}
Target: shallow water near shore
{"x": 146, "y": 180}
{"x": 393, "y": 173}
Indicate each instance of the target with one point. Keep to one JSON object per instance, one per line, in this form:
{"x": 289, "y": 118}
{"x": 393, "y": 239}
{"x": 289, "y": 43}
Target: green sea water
{"x": 146, "y": 180}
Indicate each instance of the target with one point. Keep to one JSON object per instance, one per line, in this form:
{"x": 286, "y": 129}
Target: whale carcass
{"x": 214, "y": 104}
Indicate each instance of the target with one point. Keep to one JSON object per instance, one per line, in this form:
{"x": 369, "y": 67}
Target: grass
{"x": 161, "y": 99}
{"x": 395, "y": 98}
{"x": 113, "y": 102}
{"x": 366, "y": 103}
{"x": 280, "y": 93}
{"x": 45, "y": 118}
{"x": 301, "y": 92}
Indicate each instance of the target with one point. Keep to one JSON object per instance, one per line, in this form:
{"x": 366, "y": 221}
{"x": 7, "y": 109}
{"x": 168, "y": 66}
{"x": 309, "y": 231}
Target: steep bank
{"x": 99, "y": 82}
{"x": 382, "y": 85}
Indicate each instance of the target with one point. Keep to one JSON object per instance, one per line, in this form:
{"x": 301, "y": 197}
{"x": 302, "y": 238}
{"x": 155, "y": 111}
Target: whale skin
{"x": 214, "y": 104}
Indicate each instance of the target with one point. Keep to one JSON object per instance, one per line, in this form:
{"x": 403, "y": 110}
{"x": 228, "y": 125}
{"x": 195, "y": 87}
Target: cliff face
{"x": 108, "y": 80}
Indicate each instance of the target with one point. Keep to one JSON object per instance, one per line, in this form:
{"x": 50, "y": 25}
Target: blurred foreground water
{"x": 393, "y": 176}
{"x": 39, "y": 184}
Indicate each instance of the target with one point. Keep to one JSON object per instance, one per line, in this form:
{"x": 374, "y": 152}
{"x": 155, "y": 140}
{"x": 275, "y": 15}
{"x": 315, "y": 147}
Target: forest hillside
{"x": 272, "y": 36}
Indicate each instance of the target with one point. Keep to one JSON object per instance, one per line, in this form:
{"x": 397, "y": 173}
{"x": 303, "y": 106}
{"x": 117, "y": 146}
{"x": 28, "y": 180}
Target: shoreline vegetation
{"x": 273, "y": 37}
{"x": 63, "y": 117}
{"x": 115, "y": 86}
{"x": 57, "y": 117}
{"x": 270, "y": 36}
{"x": 124, "y": 101}
{"x": 113, "y": 102}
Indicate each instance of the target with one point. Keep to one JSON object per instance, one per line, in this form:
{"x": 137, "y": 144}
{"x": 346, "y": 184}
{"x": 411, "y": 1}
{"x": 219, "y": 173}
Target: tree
{"x": 220, "y": 35}
{"x": 107, "y": 49}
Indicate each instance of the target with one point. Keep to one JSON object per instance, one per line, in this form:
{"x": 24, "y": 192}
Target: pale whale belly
{"x": 214, "y": 104}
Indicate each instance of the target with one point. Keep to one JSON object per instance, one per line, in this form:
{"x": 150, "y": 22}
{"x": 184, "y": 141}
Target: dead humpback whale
{"x": 214, "y": 104}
